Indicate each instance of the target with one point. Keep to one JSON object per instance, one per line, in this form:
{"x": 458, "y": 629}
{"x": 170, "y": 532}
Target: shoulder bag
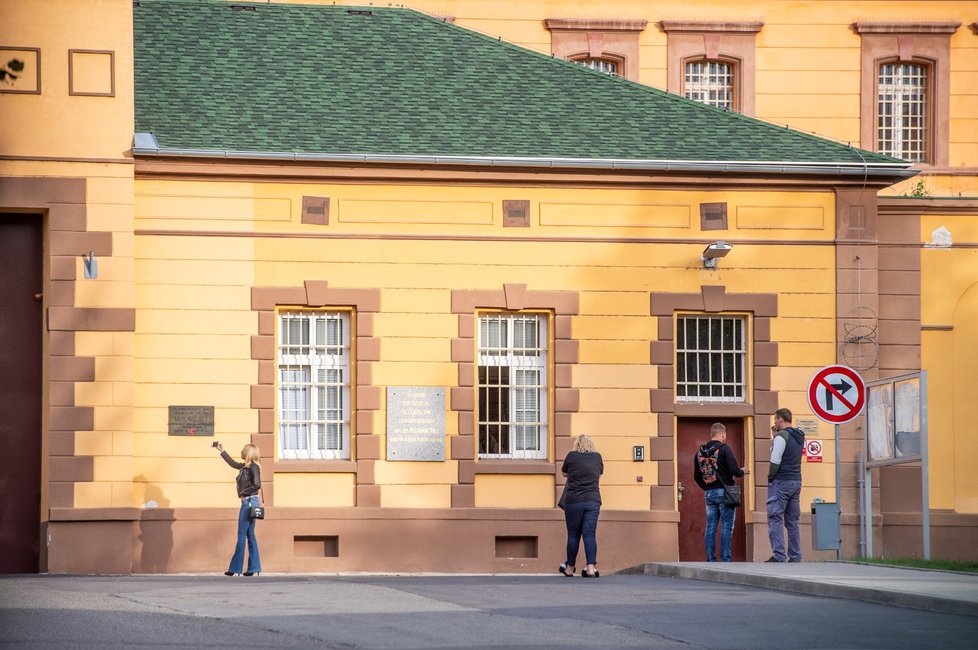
{"x": 732, "y": 495}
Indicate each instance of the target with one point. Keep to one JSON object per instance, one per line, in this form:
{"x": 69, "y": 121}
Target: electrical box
{"x": 638, "y": 453}
{"x": 826, "y": 534}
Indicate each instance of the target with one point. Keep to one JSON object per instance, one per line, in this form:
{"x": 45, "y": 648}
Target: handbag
{"x": 563, "y": 499}
{"x": 257, "y": 512}
{"x": 731, "y": 493}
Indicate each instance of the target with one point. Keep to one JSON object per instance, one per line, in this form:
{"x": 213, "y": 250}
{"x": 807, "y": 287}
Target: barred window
{"x": 710, "y": 82}
{"x": 512, "y": 386}
{"x": 607, "y": 66}
{"x": 710, "y": 359}
{"x": 314, "y": 385}
{"x": 902, "y": 111}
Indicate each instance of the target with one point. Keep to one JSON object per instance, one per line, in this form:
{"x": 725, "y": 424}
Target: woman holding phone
{"x": 249, "y": 485}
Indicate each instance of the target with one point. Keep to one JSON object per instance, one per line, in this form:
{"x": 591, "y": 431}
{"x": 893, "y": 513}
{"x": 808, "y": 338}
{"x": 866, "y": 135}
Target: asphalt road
{"x": 449, "y": 612}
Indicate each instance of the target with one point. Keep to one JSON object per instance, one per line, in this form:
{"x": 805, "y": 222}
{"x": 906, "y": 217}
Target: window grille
{"x": 902, "y": 111}
{"x": 601, "y": 65}
{"x": 314, "y": 385}
{"x": 512, "y": 386}
{"x": 710, "y": 82}
{"x": 710, "y": 359}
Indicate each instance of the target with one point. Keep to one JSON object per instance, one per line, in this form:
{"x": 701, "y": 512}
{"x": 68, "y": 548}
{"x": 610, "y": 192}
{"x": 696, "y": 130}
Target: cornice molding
{"x": 905, "y": 28}
{"x": 588, "y": 25}
{"x": 747, "y": 27}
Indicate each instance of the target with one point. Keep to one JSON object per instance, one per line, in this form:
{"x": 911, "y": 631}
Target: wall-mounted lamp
{"x": 713, "y": 252}
{"x": 91, "y": 266}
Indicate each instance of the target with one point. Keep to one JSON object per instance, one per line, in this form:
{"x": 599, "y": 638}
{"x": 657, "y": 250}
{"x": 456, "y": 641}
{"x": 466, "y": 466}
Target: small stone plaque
{"x": 809, "y": 426}
{"x": 191, "y": 420}
{"x": 415, "y": 423}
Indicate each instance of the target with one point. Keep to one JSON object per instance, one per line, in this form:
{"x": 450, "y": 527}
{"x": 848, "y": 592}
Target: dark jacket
{"x": 789, "y": 467}
{"x": 583, "y": 471}
{"x": 249, "y": 476}
{"x": 727, "y": 467}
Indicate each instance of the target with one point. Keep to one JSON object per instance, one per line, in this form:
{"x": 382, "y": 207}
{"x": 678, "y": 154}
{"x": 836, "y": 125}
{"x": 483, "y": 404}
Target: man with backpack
{"x": 714, "y": 467}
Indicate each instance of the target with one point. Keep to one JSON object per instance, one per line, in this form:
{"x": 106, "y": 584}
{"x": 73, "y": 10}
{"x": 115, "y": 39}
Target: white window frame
{"x": 304, "y": 385}
{"x": 519, "y": 360}
{"x": 711, "y": 356}
{"x": 711, "y": 86}
{"x": 896, "y": 99}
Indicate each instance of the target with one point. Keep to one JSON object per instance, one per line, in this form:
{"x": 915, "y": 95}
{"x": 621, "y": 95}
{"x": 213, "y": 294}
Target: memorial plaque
{"x": 191, "y": 420}
{"x": 808, "y": 426}
{"x": 415, "y": 423}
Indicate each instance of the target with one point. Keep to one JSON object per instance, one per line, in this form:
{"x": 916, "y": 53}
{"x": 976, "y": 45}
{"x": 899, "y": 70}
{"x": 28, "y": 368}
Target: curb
{"x": 810, "y": 587}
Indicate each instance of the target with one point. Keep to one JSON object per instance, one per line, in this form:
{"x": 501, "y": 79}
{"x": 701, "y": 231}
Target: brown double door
{"x": 21, "y": 282}
{"x": 690, "y": 434}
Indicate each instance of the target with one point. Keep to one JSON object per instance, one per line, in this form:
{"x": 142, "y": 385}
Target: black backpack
{"x": 707, "y": 462}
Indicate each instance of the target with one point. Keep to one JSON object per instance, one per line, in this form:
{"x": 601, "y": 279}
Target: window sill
{"x": 315, "y": 466}
{"x": 515, "y": 466}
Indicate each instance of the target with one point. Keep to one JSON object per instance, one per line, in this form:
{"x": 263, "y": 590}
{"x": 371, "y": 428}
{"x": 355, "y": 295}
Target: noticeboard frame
{"x": 886, "y": 410}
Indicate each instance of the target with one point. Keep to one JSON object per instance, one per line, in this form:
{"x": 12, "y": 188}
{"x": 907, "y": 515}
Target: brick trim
{"x": 731, "y": 42}
{"x": 365, "y": 398}
{"x": 764, "y": 355}
{"x": 617, "y": 40}
{"x": 562, "y": 305}
{"x": 64, "y": 202}
{"x": 925, "y": 43}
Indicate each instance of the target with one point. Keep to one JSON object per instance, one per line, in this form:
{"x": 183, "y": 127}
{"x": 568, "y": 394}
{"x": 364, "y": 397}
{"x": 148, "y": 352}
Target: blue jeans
{"x": 582, "y": 521}
{"x": 783, "y": 510}
{"x": 246, "y": 530}
{"x": 717, "y": 509}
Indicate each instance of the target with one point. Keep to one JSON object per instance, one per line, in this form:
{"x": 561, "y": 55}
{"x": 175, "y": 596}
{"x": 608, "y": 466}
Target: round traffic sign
{"x": 836, "y": 394}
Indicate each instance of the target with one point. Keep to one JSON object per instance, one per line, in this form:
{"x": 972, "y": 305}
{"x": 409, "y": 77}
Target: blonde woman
{"x": 249, "y": 484}
{"x": 581, "y": 501}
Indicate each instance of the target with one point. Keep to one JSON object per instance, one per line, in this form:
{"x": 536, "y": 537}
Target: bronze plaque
{"x": 191, "y": 420}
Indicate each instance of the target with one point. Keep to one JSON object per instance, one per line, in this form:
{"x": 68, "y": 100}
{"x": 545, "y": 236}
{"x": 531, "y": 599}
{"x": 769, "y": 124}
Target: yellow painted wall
{"x": 60, "y": 133}
{"x": 950, "y": 300}
{"x": 195, "y": 321}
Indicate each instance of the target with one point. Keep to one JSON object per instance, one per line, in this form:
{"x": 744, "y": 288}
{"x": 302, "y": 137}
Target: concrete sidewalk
{"x": 935, "y": 591}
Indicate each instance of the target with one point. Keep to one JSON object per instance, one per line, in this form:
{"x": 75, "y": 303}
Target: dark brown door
{"x": 21, "y": 281}
{"x": 691, "y": 433}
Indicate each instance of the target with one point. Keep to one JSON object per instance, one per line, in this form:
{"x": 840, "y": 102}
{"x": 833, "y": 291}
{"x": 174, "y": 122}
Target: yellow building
{"x": 410, "y": 261}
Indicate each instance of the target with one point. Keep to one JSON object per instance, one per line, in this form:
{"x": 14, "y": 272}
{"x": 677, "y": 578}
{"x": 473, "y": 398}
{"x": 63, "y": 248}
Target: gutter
{"x": 146, "y": 145}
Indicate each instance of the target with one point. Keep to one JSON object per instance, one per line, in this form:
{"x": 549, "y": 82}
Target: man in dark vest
{"x": 784, "y": 488}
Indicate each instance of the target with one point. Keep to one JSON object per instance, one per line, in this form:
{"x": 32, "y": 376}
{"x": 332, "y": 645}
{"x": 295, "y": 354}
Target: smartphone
{"x": 215, "y": 443}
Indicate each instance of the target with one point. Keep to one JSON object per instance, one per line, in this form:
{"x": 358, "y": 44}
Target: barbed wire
{"x": 860, "y": 348}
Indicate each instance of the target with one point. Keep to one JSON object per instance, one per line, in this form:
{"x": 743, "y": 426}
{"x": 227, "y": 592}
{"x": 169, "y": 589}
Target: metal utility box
{"x": 826, "y": 534}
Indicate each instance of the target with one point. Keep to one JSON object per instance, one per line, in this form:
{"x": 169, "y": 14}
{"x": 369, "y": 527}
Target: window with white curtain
{"x": 711, "y": 359}
{"x": 902, "y": 111}
{"x": 512, "y": 378}
{"x": 710, "y": 82}
{"x": 608, "y": 66}
{"x": 314, "y": 385}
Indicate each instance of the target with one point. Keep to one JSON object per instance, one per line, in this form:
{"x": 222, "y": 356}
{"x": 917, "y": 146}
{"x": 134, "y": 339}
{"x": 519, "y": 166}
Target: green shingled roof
{"x": 394, "y": 82}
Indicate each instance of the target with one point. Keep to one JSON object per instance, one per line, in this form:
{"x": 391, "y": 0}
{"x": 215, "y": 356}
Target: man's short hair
{"x": 717, "y": 429}
{"x": 784, "y": 414}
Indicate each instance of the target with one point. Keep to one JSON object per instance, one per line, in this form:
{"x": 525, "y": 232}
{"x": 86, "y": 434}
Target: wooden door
{"x": 691, "y": 433}
{"x": 21, "y": 281}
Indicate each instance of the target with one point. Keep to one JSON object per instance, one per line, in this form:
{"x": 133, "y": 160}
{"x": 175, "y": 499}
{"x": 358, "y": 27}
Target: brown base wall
{"x": 466, "y": 540}
{"x": 952, "y": 536}
{"x": 357, "y": 540}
